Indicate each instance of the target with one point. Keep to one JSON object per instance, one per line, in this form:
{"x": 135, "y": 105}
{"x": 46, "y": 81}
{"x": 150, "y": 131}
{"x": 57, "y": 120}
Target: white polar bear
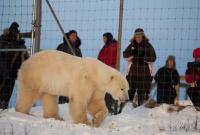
{"x": 85, "y": 81}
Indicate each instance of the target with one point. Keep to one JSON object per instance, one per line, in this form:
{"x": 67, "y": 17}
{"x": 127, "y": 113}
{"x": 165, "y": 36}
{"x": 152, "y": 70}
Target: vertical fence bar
{"x": 60, "y": 27}
{"x": 37, "y": 24}
{"x": 33, "y": 30}
{"x": 121, "y": 9}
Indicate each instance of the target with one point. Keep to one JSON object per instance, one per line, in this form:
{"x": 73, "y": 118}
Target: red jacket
{"x": 192, "y": 76}
{"x": 108, "y": 54}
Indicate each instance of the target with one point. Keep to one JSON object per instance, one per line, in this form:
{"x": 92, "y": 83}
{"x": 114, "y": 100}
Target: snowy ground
{"x": 139, "y": 121}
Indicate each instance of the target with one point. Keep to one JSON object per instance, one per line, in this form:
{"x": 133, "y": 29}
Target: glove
{"x": 198, "y": 83}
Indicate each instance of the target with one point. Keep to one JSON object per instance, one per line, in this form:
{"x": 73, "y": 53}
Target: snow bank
{"x": 139, "y": 121}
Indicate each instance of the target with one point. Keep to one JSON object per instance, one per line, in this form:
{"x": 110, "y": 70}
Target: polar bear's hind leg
{"x": 50, "y": 106}
{"x": 25, "y": 100}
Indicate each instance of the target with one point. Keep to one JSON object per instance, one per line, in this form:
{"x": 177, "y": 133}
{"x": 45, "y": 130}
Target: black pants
{"x": 141, "y": 84}
{"x": 63, "y": 100}
{"x": 6, "y": 89}
{"x": 166, "y": 96}
{"x": 194, "y": 94}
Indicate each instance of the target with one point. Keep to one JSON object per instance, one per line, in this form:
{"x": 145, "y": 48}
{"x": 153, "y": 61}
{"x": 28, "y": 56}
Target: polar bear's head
{"x": 118, "y": 87}
{"x": 107, "y": 79}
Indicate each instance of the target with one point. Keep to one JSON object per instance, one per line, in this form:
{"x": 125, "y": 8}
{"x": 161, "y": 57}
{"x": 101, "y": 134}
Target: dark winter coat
{"x": 142, "y": 54}
{"x": 167, "y": 79}
{"x": 108, "y": 54}
{"x": 193, "y": 76}
{"x": 76, "y": 47}
{"x": 10, "y": 61}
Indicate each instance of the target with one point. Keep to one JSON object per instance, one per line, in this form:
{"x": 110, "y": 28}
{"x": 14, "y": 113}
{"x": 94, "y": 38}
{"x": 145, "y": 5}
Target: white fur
{"x": 51, "y": 73}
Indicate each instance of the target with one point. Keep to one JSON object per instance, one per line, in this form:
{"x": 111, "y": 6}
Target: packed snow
{"x": 132, "y": 121}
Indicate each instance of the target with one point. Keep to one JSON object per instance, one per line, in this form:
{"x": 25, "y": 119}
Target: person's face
{"x": 104, "y": 39}
{"x": 197, "y": 59}
{"x": 73, "y": 37}
{"x": 138, "y": 38}
{"x": 170, "y": 63}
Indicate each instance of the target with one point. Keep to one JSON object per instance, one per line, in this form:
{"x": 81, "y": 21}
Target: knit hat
{"x": 196, "y": 53}
{"x": 14, "y": 27}
{"x": 139, "y": 31}
{"x": 171, "y": 57}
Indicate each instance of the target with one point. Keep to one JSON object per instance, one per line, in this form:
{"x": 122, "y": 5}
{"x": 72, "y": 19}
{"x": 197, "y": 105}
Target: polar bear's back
{"x": 58, "y": 73}
{"x": 50, "y": 70}
{"x": 51, "y": 60}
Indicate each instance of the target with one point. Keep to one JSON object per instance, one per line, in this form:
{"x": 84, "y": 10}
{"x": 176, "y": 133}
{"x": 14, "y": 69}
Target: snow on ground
{"x": 138, "y": 121}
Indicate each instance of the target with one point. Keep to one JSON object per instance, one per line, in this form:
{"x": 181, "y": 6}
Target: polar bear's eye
{"x": 122, "y": 89}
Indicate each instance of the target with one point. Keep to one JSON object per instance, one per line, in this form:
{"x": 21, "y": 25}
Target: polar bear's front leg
{"x": 98, "y": 118}
{"x": 78, "y": 111}
{"x": 97, "y": 108}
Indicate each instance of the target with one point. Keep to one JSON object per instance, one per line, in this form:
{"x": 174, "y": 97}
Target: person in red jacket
{"x": 193, "y": 79}
{"x": 108, "y": 53}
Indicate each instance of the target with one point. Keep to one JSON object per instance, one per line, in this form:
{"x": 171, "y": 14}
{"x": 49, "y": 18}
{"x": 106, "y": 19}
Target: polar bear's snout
{"x": 122, "y": 96}
{"x": 125, "y": 96}
{"x": 124, "y": 99}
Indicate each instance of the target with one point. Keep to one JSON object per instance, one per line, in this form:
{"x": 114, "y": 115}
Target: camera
{"x": 14, "y": 34}
{"x": 23, "y": 35}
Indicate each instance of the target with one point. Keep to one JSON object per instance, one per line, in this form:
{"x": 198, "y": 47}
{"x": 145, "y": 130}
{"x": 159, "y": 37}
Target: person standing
{"x": 10, "y": 61}
{"x": 75, "y": 43}
{"x": 192, "y": 77}
{"x": 167, "y": 79}
{"x": 108, "y": 53}
{"x": 142, "y": 55}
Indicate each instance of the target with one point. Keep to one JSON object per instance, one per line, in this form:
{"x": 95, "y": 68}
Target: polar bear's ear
{"x": 111, "y": 77}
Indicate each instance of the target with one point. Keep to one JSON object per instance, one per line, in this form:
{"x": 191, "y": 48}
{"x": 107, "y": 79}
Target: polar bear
{"x": 85, "y": 81}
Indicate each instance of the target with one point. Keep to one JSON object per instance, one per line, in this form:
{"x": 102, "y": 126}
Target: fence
{"x": 173, "y": 26}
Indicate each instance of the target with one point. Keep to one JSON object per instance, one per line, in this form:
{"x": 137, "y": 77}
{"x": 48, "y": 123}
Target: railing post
{"x": 120, "y": 24}
{"x": 37, "y": 17}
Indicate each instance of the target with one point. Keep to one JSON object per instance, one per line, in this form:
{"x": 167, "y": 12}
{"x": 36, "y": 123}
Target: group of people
{"x": 139, "y": 54}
